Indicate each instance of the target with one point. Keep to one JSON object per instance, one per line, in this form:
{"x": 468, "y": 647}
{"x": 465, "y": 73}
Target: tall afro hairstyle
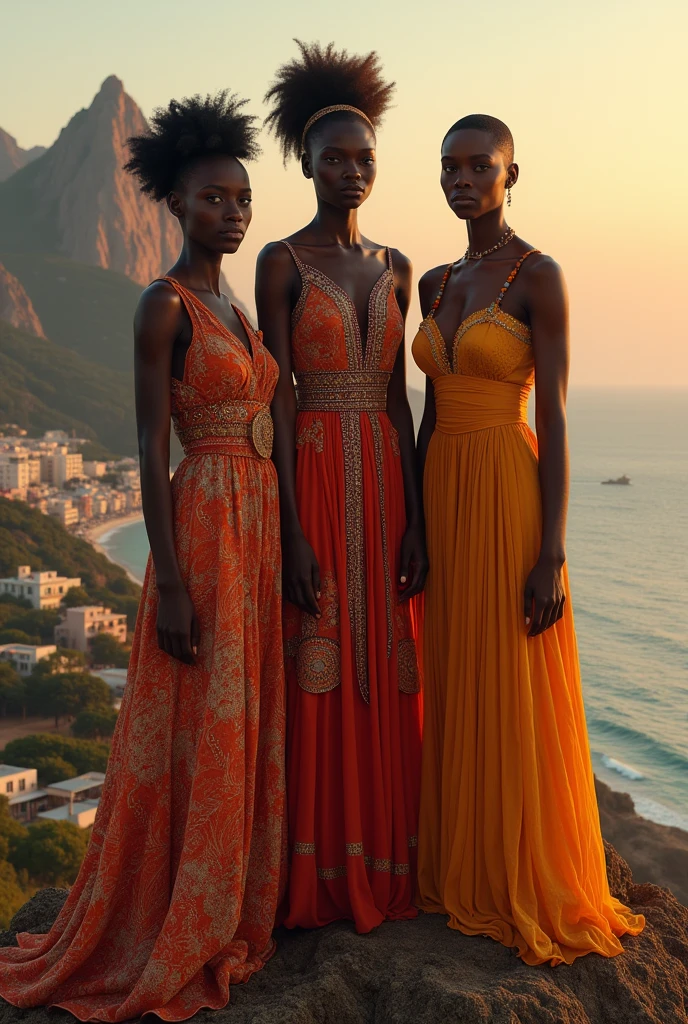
{"x": 324, "y": 77}
{"x": 183, "y": 132}
{"x": 500, "y": 132}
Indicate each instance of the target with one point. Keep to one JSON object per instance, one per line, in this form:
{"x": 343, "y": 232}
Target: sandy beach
{"x": 99, "y": 532}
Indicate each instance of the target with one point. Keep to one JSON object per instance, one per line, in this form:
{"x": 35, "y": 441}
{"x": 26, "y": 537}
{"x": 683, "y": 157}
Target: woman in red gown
{"x": 178, "y": 892}
{"x": 332, "y": 306}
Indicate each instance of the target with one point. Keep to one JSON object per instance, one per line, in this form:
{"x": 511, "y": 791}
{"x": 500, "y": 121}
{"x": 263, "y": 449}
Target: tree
{"x": 95, "y": 725}
{"x": 12, "y": 896}
{"x": 107, "y": 650}
{"x": 53, "y": 769}
{"x": 84, "y": 755}
{"x": 51, "y": 852}
{"x": 11, "y": 830}
{"x": 75, "y": 597}
{"x": 12, "y": 690}
{"x": 69, "y": 693}
{"x": 17, "y": 636}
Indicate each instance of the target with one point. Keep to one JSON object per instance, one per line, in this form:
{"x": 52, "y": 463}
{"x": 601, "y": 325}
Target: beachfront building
{"x": 95, "y": 469}
{"x": 78, "y": 799}
{"x": 80, "y": 625}
{"x": 65, "y": 510}
{"x": 25, "y": 657}
{"x": 42, "y": 589}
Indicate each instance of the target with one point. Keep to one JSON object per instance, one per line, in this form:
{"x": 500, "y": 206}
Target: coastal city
{"x": 51, "y": 475}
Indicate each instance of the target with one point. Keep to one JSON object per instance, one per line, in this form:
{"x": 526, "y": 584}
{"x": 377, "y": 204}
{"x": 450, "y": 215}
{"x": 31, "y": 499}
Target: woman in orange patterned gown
{"x": 177, "y": 895}
{"x": 332, "y": 305}
{"x": 509, "y": 835}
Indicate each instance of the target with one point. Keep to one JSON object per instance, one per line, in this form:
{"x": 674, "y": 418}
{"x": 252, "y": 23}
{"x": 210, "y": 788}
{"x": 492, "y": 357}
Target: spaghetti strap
{"x": 510, "y": 279}
{"x": 184, "y": 294}
{"x": 299, "y": 263}
{"x": 390, "y": 265}
{"x": 438, "y": 299}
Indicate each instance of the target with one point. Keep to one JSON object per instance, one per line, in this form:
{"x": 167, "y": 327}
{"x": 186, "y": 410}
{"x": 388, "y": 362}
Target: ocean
{"x": 628, "y": 562}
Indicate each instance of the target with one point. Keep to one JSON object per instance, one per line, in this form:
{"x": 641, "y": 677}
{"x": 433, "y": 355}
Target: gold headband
{"x": 331, "y": 110}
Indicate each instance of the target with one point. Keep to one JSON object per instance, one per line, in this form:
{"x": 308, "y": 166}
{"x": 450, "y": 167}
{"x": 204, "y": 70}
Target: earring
{"x": 508, "y": 195}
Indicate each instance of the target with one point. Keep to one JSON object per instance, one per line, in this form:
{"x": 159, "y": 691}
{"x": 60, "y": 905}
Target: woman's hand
{"x": 544, "y": 596}
{"x": 178, "y": 632}
{"x": 301, "y": 573}
{"x": 413, "y": 563}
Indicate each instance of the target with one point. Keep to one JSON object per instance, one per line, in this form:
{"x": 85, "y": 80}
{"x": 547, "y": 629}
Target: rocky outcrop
{"x": 15, "y": 305}
{"x": 421, "y": 972}
{"x": 13, "y": 157}
{"x": 656, "y": 853}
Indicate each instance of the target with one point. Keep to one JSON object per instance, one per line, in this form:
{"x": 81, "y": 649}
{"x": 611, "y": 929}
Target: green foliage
{"x": 93, "y": 451}
{"x": 12, "y": 691}
{"x": 27, "y": 537}
{"x": 53, "y": 769}
{"x": 85, "y": 755}
{"x": 11, "y": 830}
{"x": 75, "y": 597}
{"x": 17, "y": 636}
{"x": 67, "y": 693}
{"x": 43, "y": 386}
{"x": 12, "y": 895}
{"x": 51, "y": 852}
{"x": 106, "y": 650}
{"x": 95, "y": 725}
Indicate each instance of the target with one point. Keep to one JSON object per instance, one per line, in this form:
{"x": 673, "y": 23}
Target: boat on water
{"x": 622, "y": 481}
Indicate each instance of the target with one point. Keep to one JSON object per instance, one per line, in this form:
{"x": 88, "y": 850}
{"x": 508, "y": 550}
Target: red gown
{"x": 353, "y": 682}
{"x": 178, "y": 892}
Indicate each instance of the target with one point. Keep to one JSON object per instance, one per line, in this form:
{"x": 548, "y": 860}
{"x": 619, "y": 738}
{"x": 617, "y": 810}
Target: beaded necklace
{"x": 504, "y": 240}
{"x": 502, "y": 291}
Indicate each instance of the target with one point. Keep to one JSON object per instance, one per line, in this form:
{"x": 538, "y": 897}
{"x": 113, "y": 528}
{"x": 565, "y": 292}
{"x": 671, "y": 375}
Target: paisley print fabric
{"x": 509, "y": 840}
{"x": 177, "y": 896}
{"x": 353, "y": 682}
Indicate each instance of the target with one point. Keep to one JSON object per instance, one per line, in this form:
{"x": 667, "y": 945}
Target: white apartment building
{"x": 14, "y": 781}
{"x": 65, "y": 510}
{"x": 24, "y": 657}
{"x": 80, "y": 625}
{"x": 14, "y": 471}
{"x": 95, "y": 469}
{"x": 66, "y": 465}
{"x": 42, "y": 589}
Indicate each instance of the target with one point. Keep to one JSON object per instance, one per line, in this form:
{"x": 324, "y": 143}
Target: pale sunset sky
{"x": 594, "y": 92}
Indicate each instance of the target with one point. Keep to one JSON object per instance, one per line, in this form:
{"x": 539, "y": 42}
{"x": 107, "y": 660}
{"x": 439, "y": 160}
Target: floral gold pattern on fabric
{"x": 355, "y": 548}
{"x": 409, "y": 679}
{"x": 380, "y": 469}
{"x": 304, "y": 849}
{"x": 312, "y": 434}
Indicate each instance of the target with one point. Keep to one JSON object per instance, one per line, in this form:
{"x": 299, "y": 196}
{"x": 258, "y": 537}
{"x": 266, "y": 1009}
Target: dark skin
{"x": 212, "y": 202}
{"x": 474, "y": 178}
{"x": 340, "y": 160}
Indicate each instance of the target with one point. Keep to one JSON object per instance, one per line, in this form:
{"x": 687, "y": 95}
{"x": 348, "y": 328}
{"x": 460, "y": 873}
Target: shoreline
{"x": 97, "y": 534}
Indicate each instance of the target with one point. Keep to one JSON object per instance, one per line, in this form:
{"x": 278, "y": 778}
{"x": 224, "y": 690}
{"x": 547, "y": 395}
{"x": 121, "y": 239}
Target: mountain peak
{"x": 13, "y": 157}
{"x": 15, "y": 305}
{"x": 112, "y": 87}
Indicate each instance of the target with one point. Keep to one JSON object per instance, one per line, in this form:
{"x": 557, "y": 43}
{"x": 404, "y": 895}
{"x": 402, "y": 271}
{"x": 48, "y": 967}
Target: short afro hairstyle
{"x": 501, "y": 134}
{"x": 186, "y": 130}
{"x": 324, "y": 77}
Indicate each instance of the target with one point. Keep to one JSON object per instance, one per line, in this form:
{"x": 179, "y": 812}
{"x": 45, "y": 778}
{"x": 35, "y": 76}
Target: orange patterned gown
{"x": 509, "y": 835}
{"x": 353, "y": 700}
{"x": 177, "y": 895}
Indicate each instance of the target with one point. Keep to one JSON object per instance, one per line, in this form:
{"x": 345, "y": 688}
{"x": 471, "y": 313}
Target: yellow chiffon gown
{"x": 509, "y": 840}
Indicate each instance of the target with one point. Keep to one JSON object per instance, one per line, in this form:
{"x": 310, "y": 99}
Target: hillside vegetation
{"x": 44, "y": 386}
{"x": 86, "y": 309}
{"x": 28, "y": 537}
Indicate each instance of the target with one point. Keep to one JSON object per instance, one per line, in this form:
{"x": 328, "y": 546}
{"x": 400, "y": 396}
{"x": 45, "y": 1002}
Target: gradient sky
{"x": 594, "y": 93}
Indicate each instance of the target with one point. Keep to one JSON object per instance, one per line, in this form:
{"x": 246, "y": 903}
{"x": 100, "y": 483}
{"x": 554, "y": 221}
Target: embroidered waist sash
{"x": 226, "y": 428}
{"x": 464, "y": 403}
{"x": 342, "y": 391}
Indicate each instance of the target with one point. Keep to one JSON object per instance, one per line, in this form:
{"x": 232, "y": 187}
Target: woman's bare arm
{"x": 277, "y": 290}
{"x": 157, "y": 325}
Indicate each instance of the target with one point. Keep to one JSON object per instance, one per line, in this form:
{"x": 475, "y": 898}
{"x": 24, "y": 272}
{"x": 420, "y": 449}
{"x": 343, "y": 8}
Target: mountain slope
{"x": 44, "y": 386}
{"x": 13, "y": 157}
{"x": 16, "y": 306}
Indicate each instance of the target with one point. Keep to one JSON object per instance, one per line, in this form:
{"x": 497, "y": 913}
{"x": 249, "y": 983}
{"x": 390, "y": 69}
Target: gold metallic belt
{"x": 226, "y": 428}
{"x": 342, "y": 390}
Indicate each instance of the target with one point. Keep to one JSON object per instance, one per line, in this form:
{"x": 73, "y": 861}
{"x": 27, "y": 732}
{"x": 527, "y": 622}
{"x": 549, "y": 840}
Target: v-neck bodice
{"x": 326, "y": 333}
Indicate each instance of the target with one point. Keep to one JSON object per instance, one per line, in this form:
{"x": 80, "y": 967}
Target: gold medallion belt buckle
{"x": 262, "y": 433}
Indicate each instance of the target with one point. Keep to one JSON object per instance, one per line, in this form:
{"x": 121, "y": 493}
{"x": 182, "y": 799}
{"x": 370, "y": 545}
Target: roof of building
{"x": 26, "y": 796}
{"x": 77, "y": 785}
{"x": 62, "y": 813}
{"x": 11, "y": 769}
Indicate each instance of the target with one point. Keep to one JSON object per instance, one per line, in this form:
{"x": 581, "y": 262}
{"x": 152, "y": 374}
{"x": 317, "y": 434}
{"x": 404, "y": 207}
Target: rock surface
{"x": 13, "y": 157}
{"x": 656, "y": 853}
{"x": 15, "y": 305}
{"x": 421, "y": 972}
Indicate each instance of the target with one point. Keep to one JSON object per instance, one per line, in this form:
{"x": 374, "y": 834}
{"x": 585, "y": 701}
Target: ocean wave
{"x": 659, "y": 813}
{"x": 621, "y": 768}
{"x": 654, "y": 751}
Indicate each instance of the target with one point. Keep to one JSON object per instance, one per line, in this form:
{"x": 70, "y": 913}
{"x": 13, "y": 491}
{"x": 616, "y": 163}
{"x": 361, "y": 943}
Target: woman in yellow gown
{"x": 509, "y": 838}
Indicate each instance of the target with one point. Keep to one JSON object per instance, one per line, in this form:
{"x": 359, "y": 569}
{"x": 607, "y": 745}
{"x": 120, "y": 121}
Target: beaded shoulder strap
{"x": 510, "y": 279}
{"x": 390, "y": 265}
{"x": 300, "y": 265}
{"x": 436, "y": 303}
